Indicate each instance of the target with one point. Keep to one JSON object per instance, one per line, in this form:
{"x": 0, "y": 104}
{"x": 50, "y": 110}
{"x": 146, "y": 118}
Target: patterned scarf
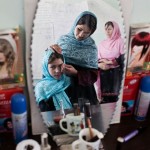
{"x": 82, "y": 53}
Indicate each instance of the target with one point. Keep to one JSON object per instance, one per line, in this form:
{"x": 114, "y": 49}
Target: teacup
{"x": 84, "y": 142}
{"x": 74, "y": 123}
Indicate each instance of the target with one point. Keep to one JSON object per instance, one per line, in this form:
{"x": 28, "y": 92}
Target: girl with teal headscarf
{"x": 50, "y": 90}
{"x": 80, "y": 53}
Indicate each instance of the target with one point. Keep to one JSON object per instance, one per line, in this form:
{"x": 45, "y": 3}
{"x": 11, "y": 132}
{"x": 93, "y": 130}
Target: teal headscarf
{"x": 82, "y": 53}
{"x": 50, "y": 87}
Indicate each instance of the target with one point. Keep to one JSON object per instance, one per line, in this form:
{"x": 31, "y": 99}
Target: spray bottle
{"x": 143, "y": 100}
{"x": 19, "y": 117}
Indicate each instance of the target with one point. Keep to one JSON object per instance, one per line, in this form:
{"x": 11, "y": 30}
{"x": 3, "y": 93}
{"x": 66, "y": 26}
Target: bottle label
{"x": 20, "y": 128}
{"x": 142, "y": 105}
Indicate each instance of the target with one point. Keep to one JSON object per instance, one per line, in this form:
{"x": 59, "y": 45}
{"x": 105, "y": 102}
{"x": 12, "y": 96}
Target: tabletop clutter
{"x": 136, "y": 96}
{"x": 78, "y": 133}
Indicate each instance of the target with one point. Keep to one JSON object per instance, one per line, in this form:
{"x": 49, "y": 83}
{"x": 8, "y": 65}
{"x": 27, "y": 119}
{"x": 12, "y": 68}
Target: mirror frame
{"x": 35, "y": 112}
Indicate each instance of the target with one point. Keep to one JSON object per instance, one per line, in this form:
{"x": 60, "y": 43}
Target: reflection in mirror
{"x": 110, "y": 63}
{"x": 53, "y": 19}
{"x": 51, "y": 89}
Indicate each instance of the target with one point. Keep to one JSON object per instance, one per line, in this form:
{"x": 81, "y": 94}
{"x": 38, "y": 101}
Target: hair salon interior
{"x": 119, "y": 125}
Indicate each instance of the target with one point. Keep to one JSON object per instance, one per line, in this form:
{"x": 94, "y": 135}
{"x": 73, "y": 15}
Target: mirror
{"x": 49, "y": 24}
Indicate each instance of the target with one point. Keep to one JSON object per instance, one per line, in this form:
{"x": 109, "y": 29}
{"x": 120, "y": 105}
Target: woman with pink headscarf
{"x": 110, "y": 63}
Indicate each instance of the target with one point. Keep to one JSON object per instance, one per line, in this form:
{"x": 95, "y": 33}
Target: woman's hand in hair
{"x": 56, "y": 48}
{"x": 69, "y": 70}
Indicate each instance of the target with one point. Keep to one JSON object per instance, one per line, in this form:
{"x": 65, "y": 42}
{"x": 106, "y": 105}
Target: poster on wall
{"x": 138, "y": 65}
{"x": 139, "y": 48}
{"x": 11, "y": 59}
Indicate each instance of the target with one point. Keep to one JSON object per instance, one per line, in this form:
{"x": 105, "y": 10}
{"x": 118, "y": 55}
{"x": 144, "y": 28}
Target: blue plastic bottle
{"x": 143, "y": 100}
{"x": 19, "y": 117}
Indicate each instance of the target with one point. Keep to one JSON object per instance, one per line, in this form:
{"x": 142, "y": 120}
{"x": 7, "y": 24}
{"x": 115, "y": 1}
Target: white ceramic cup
{"x": 28, "y": 142}
{"x": 82, "y": 144}
{"x": 74, "y": 123}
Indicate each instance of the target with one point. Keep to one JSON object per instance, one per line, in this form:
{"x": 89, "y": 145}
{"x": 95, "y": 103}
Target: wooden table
{"x": 127, "y": 125}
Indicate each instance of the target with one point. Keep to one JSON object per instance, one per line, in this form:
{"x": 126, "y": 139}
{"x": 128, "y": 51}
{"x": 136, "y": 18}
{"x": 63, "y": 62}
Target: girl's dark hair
{"x": 141, "y": 39}
{"x": 109, "y": 23}
{"x": 55, "y": 56}
{"x": 88, "y": 20}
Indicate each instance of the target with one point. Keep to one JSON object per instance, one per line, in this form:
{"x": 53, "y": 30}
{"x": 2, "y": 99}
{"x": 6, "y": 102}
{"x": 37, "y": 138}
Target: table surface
{"x": 127, "y": 124}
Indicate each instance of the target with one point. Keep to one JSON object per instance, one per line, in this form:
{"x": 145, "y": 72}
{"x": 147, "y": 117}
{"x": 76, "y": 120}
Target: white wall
{"x": 12, "y": 15}
{"x": 140, "y": 12}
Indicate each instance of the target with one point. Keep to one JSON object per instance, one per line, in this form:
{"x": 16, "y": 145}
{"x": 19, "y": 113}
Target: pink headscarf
{"x": 109, "y": 48}
{"x": 113, "y": 47}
